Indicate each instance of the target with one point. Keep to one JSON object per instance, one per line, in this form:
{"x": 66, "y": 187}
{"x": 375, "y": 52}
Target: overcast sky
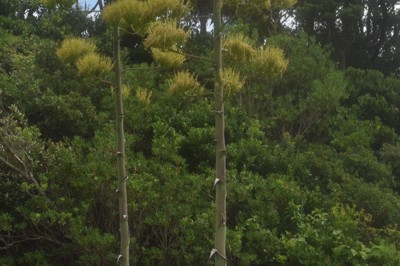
{"x": 89, "y": 3}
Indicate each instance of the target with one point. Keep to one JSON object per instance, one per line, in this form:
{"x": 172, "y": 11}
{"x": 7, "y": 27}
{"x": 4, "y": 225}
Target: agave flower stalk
{"x": 123, "y": 257}
{"x": 220, "y": 167}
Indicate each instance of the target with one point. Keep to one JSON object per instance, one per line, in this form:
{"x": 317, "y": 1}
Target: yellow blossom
{"x": 167, "y": 59}
{"x": 231, "y": 81}
{"x": 137, "y": 15}
{"x": 127, "y": 14}
{"x": 165, "y": 35}
{"x": 143, "y": 95}
{"x": 167, "y": 9}
{"x": 186, "y": 84}
{"x": 238, "y": 48}
{"x": 270, "y": 62}
{"x": 125, "y": 90}
{"x": 72, "y": 49}
{"x": 93, "y": 64}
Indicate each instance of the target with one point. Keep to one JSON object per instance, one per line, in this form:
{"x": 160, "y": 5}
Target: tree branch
{"x": 140, "y": 68}
{"x": 12, "y": 167}
{"x": 189, "y": 55}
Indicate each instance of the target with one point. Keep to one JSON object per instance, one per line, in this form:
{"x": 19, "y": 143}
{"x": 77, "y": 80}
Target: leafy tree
{"x": 360, "y": 32}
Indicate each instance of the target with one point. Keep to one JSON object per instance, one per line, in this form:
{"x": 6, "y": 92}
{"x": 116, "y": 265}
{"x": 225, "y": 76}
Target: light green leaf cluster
{"x": 167, "y": 59}
{"x": 72, "y": 49}
{"x": 231, "y": 81}
{"x": 93, "y": 64}
{"x": 185, "y": 83}
{"x": 165, "y": 35}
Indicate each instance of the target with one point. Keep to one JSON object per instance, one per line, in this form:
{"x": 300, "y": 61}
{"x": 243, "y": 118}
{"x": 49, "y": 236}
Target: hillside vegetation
{"x": 312, "y": 131}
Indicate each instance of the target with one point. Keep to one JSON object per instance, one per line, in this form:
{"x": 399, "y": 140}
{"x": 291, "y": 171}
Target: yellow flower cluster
{"x": 126, "y": 90}
{"x": 165, "y": 35}
{"x": 185, "y": 83}
{"x": 167, "y": 9}
{"x": 155, "y": 19}
{"x": 137, "y": 14}
{"x": 93, "y": 64}
{"x": 130, "y": 14}
{"x": 231, "y": 81}
{"x": 72, "y": 49}
{"x": 238, "y": 48}
{"x": 83, "y": 54}
{"x": 143, "y": 95}
{"x": 167, "y": 59}
{"x": 270, "y": 61}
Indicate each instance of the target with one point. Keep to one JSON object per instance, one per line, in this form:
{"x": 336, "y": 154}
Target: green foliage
{"x": 52, "y": 4}
{"x": 312, "y": 153}
{"x": 319, "y": 238}
{"x": 334, "y": 238}
{"x": 389, "y": 155}
{"x": 72, "y": 115}
{"x": 367, "y": 196}
{"x": 7, "y": 7}
{"x": 347, "y": 26}
{"x": 307, "y": 97}
{"x": 15, "y": 26}
{"x": 374, "y": 96}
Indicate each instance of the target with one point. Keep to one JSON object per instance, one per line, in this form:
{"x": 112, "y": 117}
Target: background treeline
{"x": 313, "y": 155}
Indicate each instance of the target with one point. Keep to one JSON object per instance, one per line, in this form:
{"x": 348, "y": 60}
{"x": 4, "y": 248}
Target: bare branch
{"x": 12, "y": 167}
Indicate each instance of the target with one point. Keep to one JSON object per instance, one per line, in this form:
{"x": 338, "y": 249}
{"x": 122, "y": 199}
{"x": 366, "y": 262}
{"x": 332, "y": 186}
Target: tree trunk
{"x": 220, "y": 182}
{"x": 100, "y": 3}
{"x": 123, "y": 257}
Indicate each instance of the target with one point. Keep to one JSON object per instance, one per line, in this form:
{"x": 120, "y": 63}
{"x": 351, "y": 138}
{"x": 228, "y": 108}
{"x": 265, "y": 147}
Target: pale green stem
{"x": 123, "y": 257}
{"x": 220, "y": 167}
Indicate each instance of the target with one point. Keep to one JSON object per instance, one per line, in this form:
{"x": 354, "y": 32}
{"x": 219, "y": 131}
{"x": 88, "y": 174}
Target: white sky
{"x": 89, "y": 3}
